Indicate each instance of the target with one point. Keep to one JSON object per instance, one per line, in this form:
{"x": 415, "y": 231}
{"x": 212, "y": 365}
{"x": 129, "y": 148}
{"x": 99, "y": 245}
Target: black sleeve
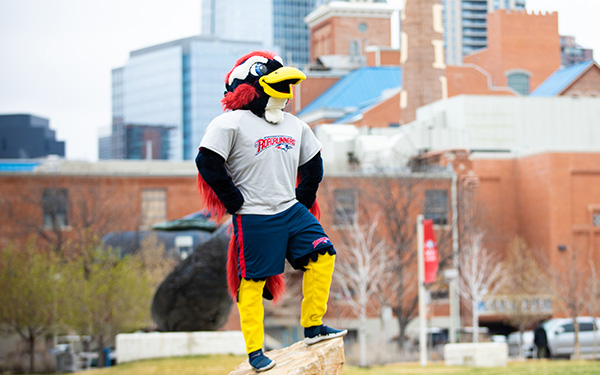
{"x": 311, "y": 175}
{"x": 212, "y": 169}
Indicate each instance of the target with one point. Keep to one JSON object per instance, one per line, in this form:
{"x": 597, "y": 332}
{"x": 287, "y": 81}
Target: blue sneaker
{"x": 313, "y": 335}
{"x": 259, "y": 361}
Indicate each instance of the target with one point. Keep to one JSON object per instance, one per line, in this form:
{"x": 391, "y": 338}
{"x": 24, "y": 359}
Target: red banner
{"x": 430, "y": 252}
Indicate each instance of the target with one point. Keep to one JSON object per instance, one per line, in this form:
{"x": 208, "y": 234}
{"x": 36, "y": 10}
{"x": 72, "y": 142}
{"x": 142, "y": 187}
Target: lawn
{"x": 223, "y": 364}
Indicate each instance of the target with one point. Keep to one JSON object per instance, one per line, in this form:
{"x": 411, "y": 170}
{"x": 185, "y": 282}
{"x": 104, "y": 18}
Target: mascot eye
{"x": 259, "y": 69}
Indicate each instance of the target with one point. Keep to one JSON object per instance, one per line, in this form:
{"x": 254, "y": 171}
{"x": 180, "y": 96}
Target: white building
{"x": 479, "y": 124}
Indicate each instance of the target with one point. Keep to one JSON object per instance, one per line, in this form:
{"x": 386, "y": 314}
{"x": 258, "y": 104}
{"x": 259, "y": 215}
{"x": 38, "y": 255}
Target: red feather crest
{"x": 237, "y": 99}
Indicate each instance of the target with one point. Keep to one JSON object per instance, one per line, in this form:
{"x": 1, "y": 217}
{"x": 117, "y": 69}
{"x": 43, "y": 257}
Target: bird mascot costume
{"x": 263, "y": 166}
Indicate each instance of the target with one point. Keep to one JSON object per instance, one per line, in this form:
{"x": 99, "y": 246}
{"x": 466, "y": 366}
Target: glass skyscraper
{"x": 177, "y": 86}
{"x": 277, "y": 24}
{"x": 465, "y": 25}
{"x": 25, "y": 136}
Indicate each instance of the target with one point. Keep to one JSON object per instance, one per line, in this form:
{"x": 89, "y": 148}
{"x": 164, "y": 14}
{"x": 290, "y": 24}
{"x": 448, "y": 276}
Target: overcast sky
{"x": 56, "y": 55}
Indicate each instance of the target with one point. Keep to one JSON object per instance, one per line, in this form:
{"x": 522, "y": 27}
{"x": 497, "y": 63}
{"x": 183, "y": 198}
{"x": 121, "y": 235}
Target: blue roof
{"x": 358, "y": 89}
{"x": 18, "y": 166}
{"x": 561, "y": 79}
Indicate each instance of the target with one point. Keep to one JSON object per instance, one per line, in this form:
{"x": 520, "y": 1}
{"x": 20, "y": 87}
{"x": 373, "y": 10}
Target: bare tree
{"x": 593, "y": 297}
{"x": 61, "y": 215}
{"x": 394, "y": 201}
{"x": 360, "y": 273}
{"x": 154, "y": 261}
{"x": 524, "y": 281}
{"x": 567, "y": 278}
{"x": 480, "y": 276}
{"x": 397, "y": 200}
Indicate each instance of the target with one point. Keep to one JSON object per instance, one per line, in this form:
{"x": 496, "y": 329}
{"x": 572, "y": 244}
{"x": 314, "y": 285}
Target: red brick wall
{"x": 104, "y": 196}
{"x": 383, "y": 115}
{"x": 421, "y": 80}
{"x": 496, "y": 200}
{"x": 386, "y": 58}
{"x": 470, "y": 81}
{"x": 321, "y": 37}
{"x": 586, "y": 85}
{"x": 333, "y": 36}
{"x": 544, "y": 198}
{"x": 310, "y": 89}
{"x": 517, "y": 40}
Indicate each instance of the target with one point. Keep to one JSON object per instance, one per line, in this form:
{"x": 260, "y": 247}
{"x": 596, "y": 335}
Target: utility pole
{"x": 422, "y": 292}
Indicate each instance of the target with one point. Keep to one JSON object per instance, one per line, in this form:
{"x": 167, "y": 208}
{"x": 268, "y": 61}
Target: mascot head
{"x": 260, "y": 83}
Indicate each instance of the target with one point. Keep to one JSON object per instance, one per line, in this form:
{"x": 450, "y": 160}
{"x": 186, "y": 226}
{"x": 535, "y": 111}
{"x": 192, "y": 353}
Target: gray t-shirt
{"x": 262, "y": 158}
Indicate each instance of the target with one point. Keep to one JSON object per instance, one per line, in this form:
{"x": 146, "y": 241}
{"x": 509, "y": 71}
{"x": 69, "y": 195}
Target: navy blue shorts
{"x": 265, "y": 241}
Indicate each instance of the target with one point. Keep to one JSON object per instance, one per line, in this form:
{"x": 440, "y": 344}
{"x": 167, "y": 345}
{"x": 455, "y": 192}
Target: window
{"x": 436, "y": 206}
{"x": 567, "y": 328}
{"x": 154, "y": 207}
{"x": 184, "y": 246}
{"x": 346, "y": 203}
{"x": 354, "y": 48}
{"x": 518, "y": 81}
{"x": 586, "y": 327}
{"x": 55, "y": 206}
{"x": 596, "y": 219}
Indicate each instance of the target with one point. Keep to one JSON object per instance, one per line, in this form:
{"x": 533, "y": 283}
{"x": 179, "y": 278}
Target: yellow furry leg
{"x": 252, "y": 313}
{"x": 315, "y": 287}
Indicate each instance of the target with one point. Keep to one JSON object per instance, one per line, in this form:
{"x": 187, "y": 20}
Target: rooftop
{"x": 561, "y": 79}
{"x": 58, "y": 166}
{"x": 359, "y": 89}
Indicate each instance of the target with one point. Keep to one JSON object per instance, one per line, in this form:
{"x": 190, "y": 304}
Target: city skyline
{"x": 63, "y": 71}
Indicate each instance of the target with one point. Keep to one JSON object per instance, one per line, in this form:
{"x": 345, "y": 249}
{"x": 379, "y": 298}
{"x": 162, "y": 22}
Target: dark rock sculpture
{"x": 194, "y": 297}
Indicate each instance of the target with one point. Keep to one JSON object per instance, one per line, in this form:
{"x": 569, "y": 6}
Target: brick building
{"x": 60, "y": 199}
{"x": 523, "y": 50}
{"x": 523, "y": 54}
{"x": 422, "y": 56}
{"x": 349, "y": 28}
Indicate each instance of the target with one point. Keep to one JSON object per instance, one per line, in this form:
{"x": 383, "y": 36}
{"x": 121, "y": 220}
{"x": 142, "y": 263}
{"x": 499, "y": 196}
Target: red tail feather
{"x": 276, "y": 285}
{"x": 233, "y": 279}
{"x": 210, "y": 200}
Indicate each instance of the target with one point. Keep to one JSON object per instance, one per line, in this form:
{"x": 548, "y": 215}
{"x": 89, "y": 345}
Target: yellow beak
{"x": 278, "y": 84}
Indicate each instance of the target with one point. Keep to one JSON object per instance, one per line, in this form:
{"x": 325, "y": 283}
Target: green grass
{"x": 223, "y": 364}
{"x": 196, "y": 365}
{"x": 541, "y": 367}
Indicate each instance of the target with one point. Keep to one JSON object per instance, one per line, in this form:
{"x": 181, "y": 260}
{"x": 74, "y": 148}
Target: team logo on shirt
{"x": 320, "y": 241}
{"x": 279, "y": 142}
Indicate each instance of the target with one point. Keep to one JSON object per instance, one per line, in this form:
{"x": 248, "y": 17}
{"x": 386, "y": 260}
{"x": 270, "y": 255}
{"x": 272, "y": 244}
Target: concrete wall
{"x": 488, "y": 354}
{"x": 516, "y": 124}
{"x": 135, "y": 346}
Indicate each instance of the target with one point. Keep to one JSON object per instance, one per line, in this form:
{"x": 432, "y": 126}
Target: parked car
{"x": 556, "y": 337}
{"x": 515, "y": 349}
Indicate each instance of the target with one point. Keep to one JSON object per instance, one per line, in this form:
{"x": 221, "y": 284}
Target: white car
{"x": 556, "y": 337}
{"x": 527, "y": 350}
